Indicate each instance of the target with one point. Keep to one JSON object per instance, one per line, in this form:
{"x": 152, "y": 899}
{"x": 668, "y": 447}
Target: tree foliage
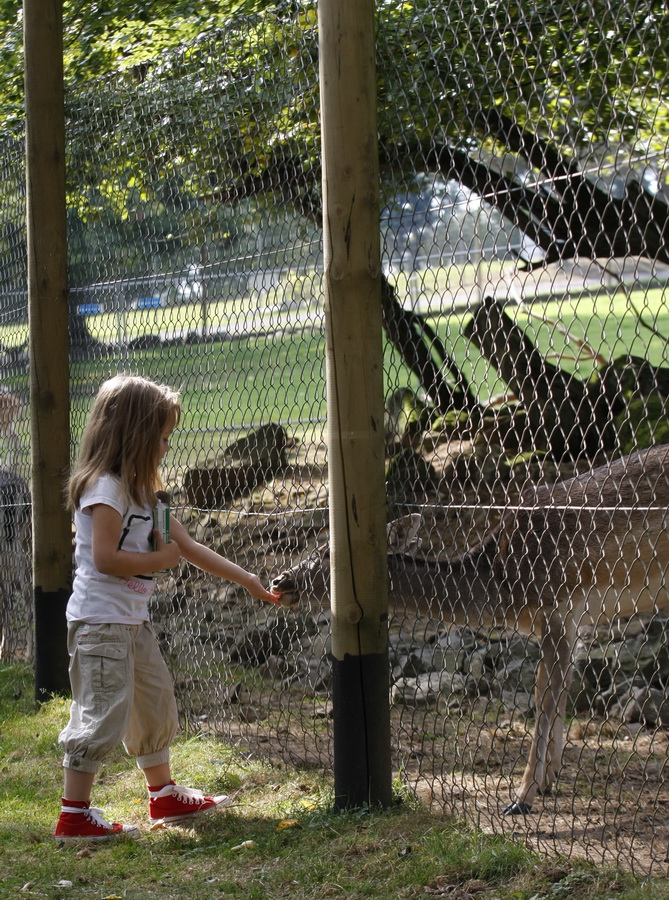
{"x": 582, "y": 72}
{"x": 106, "y": 36}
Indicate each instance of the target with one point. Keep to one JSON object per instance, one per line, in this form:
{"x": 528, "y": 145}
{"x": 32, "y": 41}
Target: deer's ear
{"x": 403, "y": 533}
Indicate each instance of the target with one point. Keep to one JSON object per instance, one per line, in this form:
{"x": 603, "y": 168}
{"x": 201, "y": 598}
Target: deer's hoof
{"x": 517, "y": 808}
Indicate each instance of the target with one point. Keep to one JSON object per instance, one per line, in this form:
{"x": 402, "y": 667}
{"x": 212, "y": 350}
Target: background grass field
{"x": 246, "y": 377}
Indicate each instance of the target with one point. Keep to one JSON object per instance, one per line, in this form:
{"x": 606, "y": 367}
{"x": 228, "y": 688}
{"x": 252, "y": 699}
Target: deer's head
{"x": 310, "y": 578}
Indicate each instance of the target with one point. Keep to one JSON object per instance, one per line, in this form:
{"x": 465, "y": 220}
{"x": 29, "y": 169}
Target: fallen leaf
{"x": 245, "y": 845}
{"x": 288, "y": 823}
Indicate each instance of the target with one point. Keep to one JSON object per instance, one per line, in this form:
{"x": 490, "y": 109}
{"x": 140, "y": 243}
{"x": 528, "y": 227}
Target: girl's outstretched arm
{"x": 207, "y": 559}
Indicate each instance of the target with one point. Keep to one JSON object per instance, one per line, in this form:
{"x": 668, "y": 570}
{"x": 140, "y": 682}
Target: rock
{"x": 264, "y": 447}
{"x": 239, "y": 469}
{"x": 406, "y": 418}
{"x": 643, "y": 423}
{"x": 217, "y": 487}
{"x": 649, "y": 706}
{"x": 427, "y": 689}
{"x": 409, "y": 476}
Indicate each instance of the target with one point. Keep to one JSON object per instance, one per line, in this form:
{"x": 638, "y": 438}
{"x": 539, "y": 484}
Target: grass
{"x": 282, "y": 839}
{"x": 224, "y": 385}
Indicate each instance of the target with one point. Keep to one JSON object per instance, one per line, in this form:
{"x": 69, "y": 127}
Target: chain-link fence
{"x": 16, "y": 595}
{"x": 525, "y": 255}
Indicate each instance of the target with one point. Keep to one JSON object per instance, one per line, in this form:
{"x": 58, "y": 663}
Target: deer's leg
{"x": 565, "y": 655}
{"x": 550, "y": 705}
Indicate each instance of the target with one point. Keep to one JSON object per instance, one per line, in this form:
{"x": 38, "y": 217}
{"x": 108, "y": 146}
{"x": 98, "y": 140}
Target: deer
{"x": 583, "y": 551}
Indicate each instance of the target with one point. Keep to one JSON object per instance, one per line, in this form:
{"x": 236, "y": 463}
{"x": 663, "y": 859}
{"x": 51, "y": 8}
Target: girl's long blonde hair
{"x": 123, "y": 437}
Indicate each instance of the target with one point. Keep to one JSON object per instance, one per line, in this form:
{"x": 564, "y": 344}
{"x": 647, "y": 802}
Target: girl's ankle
{"x": 76, "y": 804}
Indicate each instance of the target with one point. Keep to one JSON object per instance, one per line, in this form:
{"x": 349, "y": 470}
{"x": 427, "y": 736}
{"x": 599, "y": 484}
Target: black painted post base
{"x": 51, "y": 657}
{"x": 362, "y": 765}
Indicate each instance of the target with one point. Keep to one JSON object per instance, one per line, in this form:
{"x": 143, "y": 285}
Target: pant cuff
{"x": 81, "y": 764}
{"x": 153, "y": 759}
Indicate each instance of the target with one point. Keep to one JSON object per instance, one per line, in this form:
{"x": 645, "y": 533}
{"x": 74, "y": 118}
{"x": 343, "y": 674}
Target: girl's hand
{"x": 256, "y": 589}
{"x": 170, "y": 554}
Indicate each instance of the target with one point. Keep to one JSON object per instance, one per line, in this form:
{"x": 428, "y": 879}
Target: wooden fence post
{"x": 355, "y": 403}
{"x": 48, "y": 318}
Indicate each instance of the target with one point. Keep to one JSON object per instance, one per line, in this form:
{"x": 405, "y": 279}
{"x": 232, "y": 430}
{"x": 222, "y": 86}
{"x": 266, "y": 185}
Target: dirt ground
{"x": 611, "y": 805}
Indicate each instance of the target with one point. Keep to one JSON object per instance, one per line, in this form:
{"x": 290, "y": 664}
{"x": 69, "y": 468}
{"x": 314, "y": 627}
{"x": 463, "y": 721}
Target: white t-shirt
{"x": 97, "y": 597}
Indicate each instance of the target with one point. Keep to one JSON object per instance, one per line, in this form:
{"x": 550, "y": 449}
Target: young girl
{"x": 121, "y": 688}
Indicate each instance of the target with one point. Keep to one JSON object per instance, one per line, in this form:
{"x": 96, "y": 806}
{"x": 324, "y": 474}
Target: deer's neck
{"x": 461, "y": 590}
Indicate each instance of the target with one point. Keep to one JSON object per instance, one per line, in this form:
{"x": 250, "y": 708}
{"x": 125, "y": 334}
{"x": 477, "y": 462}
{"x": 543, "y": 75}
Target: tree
{"x": 545, "y": 109}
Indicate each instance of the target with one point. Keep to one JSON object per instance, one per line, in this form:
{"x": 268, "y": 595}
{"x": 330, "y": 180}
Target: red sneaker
{"x": 77, "y": 824}
{"x": 173, "y": 803}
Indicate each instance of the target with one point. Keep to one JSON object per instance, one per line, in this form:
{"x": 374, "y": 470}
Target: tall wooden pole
{"x": 355, "y": 403}
{"x": 47, "y": 310}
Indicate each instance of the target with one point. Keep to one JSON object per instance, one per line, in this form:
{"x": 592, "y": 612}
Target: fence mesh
{"x": 524, "y": 213}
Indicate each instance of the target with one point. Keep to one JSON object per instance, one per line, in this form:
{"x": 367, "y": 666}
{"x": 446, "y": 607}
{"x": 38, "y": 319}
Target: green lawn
{"x": 225, "y": 386}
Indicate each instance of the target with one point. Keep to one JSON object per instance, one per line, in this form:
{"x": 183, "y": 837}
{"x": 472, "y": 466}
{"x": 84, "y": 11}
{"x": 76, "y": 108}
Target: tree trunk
{"x": 565, "y": 416}
{"x": 424, "y": 353}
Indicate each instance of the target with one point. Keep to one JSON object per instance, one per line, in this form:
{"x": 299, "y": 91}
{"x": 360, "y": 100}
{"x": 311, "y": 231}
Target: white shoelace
{"x": 187, "y": 795}
{"x": 92, "y": 813}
